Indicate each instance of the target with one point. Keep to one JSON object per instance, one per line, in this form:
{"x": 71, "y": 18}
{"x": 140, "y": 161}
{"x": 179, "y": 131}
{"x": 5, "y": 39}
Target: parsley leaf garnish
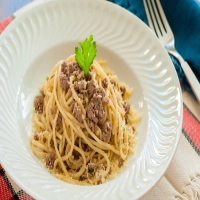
{"x": 47, "y": 78}
{"x": 86, "y": 54}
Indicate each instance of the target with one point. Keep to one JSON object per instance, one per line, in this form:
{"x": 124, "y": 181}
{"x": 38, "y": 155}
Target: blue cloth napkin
{"x": 183, "y": 17}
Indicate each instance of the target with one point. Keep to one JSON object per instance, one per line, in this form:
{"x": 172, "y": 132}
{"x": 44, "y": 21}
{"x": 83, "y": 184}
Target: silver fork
{"x": 159, "y": 24}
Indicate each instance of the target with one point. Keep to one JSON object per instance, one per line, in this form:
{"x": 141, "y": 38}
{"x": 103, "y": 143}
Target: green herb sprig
{"x": 86, "y": 54}
{"x": 90, "y": 170}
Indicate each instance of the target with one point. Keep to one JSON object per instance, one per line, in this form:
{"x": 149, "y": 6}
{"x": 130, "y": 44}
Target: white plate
{"x": 32, "y": 45}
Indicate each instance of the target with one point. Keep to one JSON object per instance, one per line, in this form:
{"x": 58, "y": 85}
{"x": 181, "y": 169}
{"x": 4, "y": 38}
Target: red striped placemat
{"x": 191, "y": 128}
{"x": 4, "y": 23}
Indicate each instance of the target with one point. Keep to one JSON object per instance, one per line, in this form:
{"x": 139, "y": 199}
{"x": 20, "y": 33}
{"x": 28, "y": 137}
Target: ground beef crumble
{"x": 59, "y": 119}
{"x": 64, "y": 81}
{"x": 50, "y": 160}
{"x": 91, "y": 88}
{"x": 76, "y": 111}
{"x": 126, "y": 109}
{"x": 123, "y": 90}
{"x": 39, "y": 103}
{"x": 105, "y": 83}
{"x": 106, "y": 131}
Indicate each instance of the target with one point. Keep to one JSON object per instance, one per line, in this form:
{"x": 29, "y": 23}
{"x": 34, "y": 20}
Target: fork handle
{"x": 192, "y": 79}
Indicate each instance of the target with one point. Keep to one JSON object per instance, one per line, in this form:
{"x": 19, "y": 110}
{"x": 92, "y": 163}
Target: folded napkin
{"x": 183, "y": 17}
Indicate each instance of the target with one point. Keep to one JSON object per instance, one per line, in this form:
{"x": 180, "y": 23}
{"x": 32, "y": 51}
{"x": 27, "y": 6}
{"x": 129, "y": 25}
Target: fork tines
{"x": 157, "y": 21}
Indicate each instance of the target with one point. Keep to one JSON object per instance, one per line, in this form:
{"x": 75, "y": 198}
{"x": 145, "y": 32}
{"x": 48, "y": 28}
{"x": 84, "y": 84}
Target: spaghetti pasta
{"x": 83, "y": 130}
